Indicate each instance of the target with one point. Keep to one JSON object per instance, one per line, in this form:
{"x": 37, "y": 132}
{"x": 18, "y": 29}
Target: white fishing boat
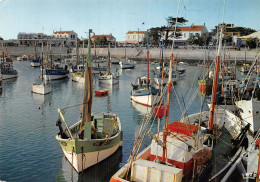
{"x": 35, "y": 63}
{"x": 126, "y": 64}
{"x": 19, "y": 58}
{"x": 162, "y": 77}
{"x": 24, "y": 58}
{"x": 6, "y": 68}
{"x": 143, "y": 91}
{"x": 96, "y": 136}
{"x": 108, "y": 78}
{"x": 41, "y": 87}
{"x": 183, "y": 64}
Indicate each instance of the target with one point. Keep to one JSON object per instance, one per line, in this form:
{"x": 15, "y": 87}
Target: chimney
{"x": 192, "y": 25}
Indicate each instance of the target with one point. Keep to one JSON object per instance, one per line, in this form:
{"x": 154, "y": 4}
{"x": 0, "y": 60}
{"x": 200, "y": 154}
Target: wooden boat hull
{"x": 85, "y": 160}
{"x": 84, "y": 153}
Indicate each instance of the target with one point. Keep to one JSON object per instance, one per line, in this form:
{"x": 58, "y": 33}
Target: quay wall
{"x": 189, "y": 54}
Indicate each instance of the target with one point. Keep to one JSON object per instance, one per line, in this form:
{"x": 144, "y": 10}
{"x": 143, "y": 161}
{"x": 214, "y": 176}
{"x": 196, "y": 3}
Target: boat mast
{"x": 87, "y": 95}
{"x": 212, "y": 110}
{"x": 147, "y": 59}
{"x": 165, "y": 132}
{"x": 109, "y": 65}
{"x": 35, "y": 52}
{"x": 83, "y": 53}
{"x": 50, "y": 55}
{"x": 42, "y": 62}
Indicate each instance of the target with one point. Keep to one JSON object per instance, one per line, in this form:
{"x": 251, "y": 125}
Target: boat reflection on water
{"x": 40, "y": 99}
{"x": 112, "y": 88}
{"x": 99, "y": 172}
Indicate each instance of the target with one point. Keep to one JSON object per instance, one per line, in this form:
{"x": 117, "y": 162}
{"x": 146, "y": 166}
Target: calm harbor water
{"x": 28, "y": 148}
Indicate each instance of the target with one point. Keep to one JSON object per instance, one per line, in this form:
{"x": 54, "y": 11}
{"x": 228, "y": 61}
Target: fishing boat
{"x": 114, "y": 61}
{"x": 126, "y": 64}
{"x": 6, "y": 68}
{"x": 109, "y": 78}
{"x": 183, "y": 150}
{"x": 173, "y": 162}
{"x": 35, "y": 62}
{"x": 19, "y": 58}
{"x": 54, "y": 71}
{"x": 181, "y": 71}
{"x": 44, "y": 86}
{"x": 143, "y": 92}
{"x": 102, "y": 92}
{"x": 161, "y": 78}
{"x": 95, "y": 136}
{"x": 24, "y": 58}
{"x": 246, "y": 166}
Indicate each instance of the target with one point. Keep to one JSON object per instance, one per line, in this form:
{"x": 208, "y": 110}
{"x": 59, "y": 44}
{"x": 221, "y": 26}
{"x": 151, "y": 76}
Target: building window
{"x": 190, "y": 34}
{"x": 197, "y": 34}
{"x": 184, "y": 35}
{"x": 134, "y": 37}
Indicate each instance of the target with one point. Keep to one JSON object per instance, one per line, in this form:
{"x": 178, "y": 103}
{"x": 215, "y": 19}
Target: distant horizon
{"x": 119, "y": 17}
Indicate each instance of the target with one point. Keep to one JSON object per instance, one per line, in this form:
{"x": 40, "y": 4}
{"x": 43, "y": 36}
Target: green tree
{"x": 101, "y": 41}
{"x": 200, "y": 40}
{"x": 242, "y": 30}
{"x": 252, "y": 43}
{"x": 227, "y": 39}
{"x": 172, "y": 21}
{"x": 154, "y": 35}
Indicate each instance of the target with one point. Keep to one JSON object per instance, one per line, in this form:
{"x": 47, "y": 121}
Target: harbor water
{"x": 28, "y": 148}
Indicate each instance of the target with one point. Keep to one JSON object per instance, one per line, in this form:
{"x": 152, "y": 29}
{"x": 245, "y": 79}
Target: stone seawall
{"x": 181, "y": 54}
{"x": 140, "y": 53}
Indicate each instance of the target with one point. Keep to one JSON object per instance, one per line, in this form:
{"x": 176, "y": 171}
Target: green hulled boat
{"x": 94, "y": 137}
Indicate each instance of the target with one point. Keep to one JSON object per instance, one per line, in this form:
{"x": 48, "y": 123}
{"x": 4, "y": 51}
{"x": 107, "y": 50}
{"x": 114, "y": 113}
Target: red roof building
{"x": 187, "y": 32}
{"x": 109, "y": 37}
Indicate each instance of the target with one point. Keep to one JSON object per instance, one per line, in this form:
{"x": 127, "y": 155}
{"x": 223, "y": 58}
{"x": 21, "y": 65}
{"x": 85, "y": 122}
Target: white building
{"x": 31, "y": 38}
{"x": 135, "y": 37}
{"x": 186, "y": 33}
{"x": 66, "y": 37}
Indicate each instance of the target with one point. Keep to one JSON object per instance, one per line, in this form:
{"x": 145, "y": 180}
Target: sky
{"x": 120, "y": 16}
